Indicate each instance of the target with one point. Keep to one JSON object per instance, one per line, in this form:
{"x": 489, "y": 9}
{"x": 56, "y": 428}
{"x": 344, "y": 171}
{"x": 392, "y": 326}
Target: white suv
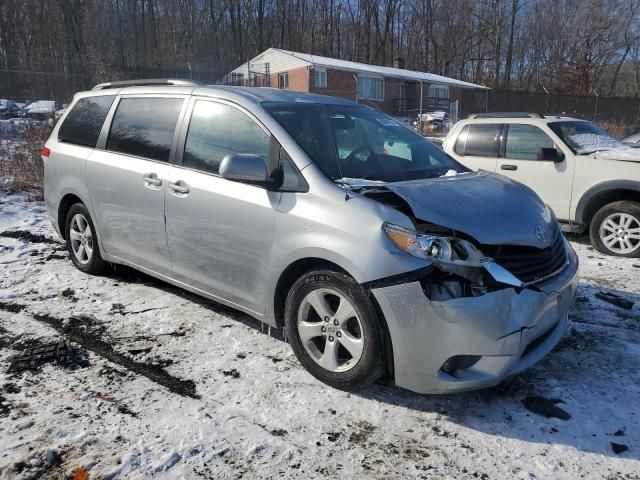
{"x": 589, "y": 179}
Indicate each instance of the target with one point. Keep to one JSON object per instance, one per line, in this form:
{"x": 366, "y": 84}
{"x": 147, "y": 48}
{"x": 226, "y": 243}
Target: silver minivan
{"x": 376, "y": 252}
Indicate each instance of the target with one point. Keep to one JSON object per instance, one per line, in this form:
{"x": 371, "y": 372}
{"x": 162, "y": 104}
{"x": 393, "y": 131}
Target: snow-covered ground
{"x": 180, "y": 387}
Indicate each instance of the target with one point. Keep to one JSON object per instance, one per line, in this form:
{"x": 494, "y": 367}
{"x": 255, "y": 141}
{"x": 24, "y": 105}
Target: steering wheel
{"x": 352, "y": 156}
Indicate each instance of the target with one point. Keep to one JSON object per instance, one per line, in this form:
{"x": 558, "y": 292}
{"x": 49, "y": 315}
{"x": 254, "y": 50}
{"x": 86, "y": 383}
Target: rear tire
{"x": 615, "y": 229}
{"x": 82, "y": 241}
{"x": 334, "y": 330}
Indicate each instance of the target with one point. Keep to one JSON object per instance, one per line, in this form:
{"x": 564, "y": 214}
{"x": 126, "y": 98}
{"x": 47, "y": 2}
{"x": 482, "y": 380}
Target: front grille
{"x": 529, "y": 264}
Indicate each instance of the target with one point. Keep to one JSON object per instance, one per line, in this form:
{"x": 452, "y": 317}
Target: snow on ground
{"x": 180, "y": 387}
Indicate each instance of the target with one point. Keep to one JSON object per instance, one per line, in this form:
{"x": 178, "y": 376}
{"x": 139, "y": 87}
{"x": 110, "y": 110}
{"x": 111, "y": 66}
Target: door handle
{"x": 151, "y": 179}
{"x": 508, "y": 167}
{"x": 179, "y": 187}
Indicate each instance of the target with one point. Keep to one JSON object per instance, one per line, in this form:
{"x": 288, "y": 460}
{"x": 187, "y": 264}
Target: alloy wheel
{"x": 620, "y": 233}
{"x": 81, "y": 239}
{"x": 330, "y": 330}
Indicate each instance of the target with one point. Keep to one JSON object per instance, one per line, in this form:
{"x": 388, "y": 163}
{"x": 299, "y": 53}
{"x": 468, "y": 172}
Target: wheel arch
{"x": 604, "y": 193}
{"x": 65, "y": 204}
{"x": 289, "y": 276}
{"x": 298, "y": 268}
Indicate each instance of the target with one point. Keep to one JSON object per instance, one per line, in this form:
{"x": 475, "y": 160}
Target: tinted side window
{"x": 84, "y": 122}
{"x": 145, "y": 127}
{"x": 482, "y": 140}
{"x": 524, "y": 141}
{"x": 215, "y": 131}
{"x": 461, "y": 142}
{"x": 307, "y": 124}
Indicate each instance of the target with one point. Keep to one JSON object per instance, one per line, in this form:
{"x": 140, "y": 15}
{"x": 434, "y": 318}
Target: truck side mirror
{"x": 550, "y": 155}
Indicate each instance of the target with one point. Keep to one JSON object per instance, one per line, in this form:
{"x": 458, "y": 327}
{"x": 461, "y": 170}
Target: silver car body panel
{"x": 497, "y": 326}
{"x": 231, "y": 242}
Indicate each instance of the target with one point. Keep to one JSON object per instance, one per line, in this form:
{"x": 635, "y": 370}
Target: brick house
{"x": 394, "y": 90}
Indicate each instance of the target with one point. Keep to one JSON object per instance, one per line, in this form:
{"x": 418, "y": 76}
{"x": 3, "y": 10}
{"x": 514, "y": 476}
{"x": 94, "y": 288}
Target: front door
{"x": 127, "y": 180}
{"x": 552, "y": 181}
{"x": 220, "y": 232}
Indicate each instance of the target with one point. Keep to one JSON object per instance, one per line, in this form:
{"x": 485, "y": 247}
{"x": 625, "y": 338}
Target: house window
{"x": 371, "y": 88}
{"x": 237, "y": 78}
{"x": 283, "y": 80}
{"x": 438, "y": 91}
{"x": 320, "y": 78}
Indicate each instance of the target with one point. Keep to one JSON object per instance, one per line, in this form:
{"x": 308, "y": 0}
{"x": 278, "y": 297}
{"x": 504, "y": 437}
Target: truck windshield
{"x": 353, "y": 142}
{"x": 584, "y": 138}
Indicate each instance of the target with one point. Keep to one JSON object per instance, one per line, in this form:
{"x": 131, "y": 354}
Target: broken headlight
{"x": 449, "y": 254}
{"x": 439, "y": 249}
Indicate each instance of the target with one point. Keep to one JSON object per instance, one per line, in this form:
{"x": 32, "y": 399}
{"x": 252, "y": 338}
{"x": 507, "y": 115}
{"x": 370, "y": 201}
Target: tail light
{"x": 45, "y": 152}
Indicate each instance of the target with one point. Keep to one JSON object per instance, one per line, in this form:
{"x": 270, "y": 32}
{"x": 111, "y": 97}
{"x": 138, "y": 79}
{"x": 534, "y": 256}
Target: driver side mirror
{"x": 245, "y": 168}
{"x": 551, "y": 155}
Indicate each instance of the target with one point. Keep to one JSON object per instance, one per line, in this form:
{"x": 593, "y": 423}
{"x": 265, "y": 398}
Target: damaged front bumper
{"x": 474, "y": 342}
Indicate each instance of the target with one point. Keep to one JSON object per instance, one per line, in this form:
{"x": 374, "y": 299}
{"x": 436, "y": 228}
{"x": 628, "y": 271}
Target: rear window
{"x": 482, "y": 140}
{"x": 84, "y": 122}
{"x": 144, "y": 127}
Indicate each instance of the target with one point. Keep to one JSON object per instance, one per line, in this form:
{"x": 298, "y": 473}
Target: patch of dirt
{"x": 5, "y": 406}
{"x": 127, "y": 411}
{"x": 78, "y": 332}
{"x": 619, "y": 448}
{"x": 28, "y": 236}
{"x": 70, "y": 294}
{"x": 11, "y": 307}
{"x": 5, "y": 338}
{"x": 86, "y": 332}
{"x": 364, "y": 431}
{"x": 55, "y": 256}
{"x": 233, "y": 373}
{"x": 546, "y": 407}
{"x": 577, "y": 340}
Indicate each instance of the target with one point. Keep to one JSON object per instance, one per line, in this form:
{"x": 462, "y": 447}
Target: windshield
{"x": 355, "y": 142}
{"x": 584, "y": 138}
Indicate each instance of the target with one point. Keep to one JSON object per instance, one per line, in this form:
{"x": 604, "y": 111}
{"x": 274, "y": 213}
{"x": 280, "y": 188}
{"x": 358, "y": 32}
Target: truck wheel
{"x": 334, "y": 330}
{"x": 615, "y": 229}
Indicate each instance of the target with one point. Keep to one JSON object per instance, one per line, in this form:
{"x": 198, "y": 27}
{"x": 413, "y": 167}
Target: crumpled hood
{"x": 490, "y": 208}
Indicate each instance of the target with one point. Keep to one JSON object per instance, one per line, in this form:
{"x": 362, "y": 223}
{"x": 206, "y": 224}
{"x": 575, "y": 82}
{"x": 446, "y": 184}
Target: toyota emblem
{"x": 541, "y": 233}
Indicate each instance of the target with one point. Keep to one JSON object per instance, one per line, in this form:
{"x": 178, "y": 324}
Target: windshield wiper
{"x": 358, "y": 182}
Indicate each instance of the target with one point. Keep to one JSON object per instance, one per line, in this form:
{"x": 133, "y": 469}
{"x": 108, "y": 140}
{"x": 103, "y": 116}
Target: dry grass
{"x": 21, "y": 166}
{"x": 617, "y": 129}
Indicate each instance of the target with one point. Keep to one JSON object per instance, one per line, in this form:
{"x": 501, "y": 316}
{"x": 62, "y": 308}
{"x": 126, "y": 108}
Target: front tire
{"x": 82, "y": 241}
{"x": 334, "y": 330}
{"x": 615, "y": 229}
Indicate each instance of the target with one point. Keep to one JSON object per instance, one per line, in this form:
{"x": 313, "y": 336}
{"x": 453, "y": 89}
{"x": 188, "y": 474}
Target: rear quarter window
{"x": 482, "y": 140}
{"x": 145, "y": 127}
{"x": 83, "y": 123}
{"x": 461, "y": 142}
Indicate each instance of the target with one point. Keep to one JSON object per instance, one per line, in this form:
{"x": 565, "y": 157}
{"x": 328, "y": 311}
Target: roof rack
{"x": 147, "y": 82}
{"x": 506, "y": 115}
